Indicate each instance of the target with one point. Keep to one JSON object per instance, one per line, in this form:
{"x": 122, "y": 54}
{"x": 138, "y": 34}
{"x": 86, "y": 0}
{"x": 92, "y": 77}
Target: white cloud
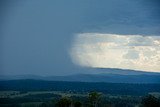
{"x": 134, "y": 52}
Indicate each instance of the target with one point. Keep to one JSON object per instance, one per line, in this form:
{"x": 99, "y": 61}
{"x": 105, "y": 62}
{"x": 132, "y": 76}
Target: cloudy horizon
{"x": 134, "y": 52}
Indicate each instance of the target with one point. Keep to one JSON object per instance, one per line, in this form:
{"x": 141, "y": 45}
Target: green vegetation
{"x": 94, "y": 98}
{"x": 64, "y": 99}
{"x": 150, "y": 101}
{"x": 64, "y": 102}
{"x": 29, "y": 93}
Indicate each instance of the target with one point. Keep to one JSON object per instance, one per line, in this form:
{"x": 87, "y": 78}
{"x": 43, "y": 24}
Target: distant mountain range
{"x": 104, "y": 75}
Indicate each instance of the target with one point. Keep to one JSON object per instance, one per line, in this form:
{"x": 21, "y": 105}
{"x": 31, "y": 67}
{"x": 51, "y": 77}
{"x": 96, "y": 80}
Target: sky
{"x": 39, "y": 36}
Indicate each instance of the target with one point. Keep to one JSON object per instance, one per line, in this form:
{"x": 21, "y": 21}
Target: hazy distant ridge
{"x": 116, "y": 76}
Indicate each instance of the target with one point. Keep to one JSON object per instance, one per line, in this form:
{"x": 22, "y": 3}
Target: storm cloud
{"x": 135, "y": 52}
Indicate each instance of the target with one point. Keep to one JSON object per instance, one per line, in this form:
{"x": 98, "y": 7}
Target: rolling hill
{"x": 104, "y": 75}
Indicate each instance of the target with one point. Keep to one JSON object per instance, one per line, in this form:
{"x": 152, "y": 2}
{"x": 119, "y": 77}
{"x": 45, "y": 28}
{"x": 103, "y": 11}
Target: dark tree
{"x": 94, "y": 98}
{"x": 44, "y": 105}
{"x": 77, "y": 104}
{"x": 150, "y": 101}
{"x": 64, "y": 102}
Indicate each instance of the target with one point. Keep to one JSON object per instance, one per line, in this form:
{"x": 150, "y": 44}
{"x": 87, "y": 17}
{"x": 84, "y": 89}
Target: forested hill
{"x": 108, "y": 88}
{"x": 112, "y": 77}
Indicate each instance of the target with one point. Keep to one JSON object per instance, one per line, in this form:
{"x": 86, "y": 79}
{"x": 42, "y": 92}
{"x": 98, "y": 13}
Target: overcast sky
{"x": 36, "y": 36}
